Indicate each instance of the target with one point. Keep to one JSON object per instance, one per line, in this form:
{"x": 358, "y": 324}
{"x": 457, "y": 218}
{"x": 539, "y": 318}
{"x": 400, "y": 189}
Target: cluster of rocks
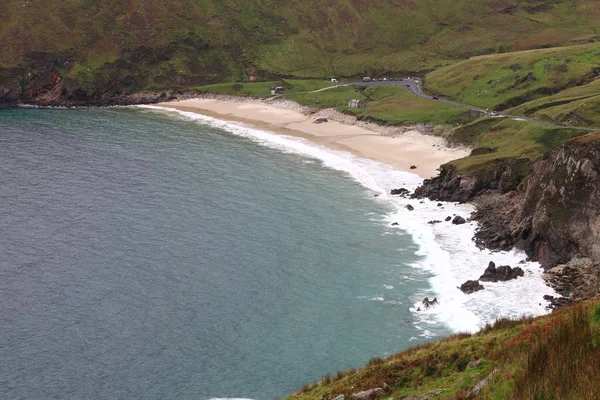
{"x": 556, "y": 302}
{"x": 370, "y": 394}
{"x": 375, "y": 393}
{"x": 576, "y": 280}
{"x": 400, "y": 192}
{"x": 503, "y": 273}
{"x": 492, "y": 273}
{"x": 471, "y": 287}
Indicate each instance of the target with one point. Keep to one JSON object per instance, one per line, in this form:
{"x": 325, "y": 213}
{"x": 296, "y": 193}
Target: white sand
{"x": 399, "y": 150}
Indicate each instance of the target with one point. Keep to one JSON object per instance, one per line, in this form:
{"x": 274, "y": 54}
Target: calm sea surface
{"x": 144, "y": 256}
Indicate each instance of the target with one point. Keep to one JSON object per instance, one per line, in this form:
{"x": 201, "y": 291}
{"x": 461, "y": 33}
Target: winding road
{"x": 413, "y": 86}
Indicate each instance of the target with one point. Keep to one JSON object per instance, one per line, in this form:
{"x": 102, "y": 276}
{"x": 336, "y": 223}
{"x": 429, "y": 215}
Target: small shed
{"x": 355, "y": 103}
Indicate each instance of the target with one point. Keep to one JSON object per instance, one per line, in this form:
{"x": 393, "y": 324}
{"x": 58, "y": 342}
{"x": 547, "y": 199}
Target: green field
{"x": 502, "y": 81}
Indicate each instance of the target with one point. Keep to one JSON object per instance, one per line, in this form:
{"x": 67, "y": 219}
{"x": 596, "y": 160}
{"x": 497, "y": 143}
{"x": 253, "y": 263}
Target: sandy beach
{"x": 386, "y": 145}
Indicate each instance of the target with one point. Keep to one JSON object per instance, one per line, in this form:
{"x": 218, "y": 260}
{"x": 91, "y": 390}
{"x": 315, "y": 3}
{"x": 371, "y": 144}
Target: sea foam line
{"x": 447, "y": 251}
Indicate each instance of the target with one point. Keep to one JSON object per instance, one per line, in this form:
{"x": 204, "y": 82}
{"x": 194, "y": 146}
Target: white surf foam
{"x": 447, "y": 251}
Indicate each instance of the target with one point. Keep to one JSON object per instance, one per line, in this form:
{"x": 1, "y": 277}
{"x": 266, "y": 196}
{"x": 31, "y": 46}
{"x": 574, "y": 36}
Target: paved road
{"x": 414, "y": 87}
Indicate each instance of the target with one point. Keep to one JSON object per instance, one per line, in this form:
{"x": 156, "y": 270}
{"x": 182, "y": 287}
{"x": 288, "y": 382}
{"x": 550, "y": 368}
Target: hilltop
{"x": 85, "y": 51}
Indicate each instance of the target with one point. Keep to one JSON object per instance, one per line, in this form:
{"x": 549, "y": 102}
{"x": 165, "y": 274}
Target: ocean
{"x": 154, "y": 254}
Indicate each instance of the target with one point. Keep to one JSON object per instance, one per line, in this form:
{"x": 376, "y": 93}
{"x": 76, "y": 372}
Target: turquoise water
{"x": 146, "y": 256}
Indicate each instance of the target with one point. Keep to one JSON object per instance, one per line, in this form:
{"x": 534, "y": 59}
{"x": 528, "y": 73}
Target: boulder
{"x": 475, "y": 391}
{"x": 448, "y": 218}
{"x": 502, "y": 273}
{"x": 413, "y": 167}
{"x": 435, "y": 221}
{"x": 409, "y": 207}
{"x": 370, "y": 394}
{"x": 471, "y": 286}
{"x": 386, "y": 388}
{"x": 458, "y": 220}
{"x": 395, "y": 224}
{"x": 401, "y": 192}
{"x": 340, "y": 397}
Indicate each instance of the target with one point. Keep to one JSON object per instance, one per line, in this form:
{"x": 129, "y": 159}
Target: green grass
{"x": 501, "y": 81}
{"x": 551, "y": 357}
{"x": 133, "y": 45}
{"x": 392, "y": 105}
{"x": 331, "y": 98}
{"x": 255, "y": 89}
{"x": 574, "y": 106}
{"x": 506, "y": 139}
{"x": 395, "y": 106}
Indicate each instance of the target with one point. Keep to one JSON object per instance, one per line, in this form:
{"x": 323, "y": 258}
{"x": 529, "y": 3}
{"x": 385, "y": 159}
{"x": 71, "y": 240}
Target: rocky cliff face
{"x": 559, "y": 215}
{"x": 554, "y": 214}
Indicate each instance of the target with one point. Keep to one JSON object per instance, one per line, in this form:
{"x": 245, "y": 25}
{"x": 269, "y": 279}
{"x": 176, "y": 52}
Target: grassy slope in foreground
{"x": 551, "y": 357}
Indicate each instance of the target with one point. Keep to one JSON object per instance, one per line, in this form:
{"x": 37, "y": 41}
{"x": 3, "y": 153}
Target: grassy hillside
{"x": 552, "y": 357}
{"x": 578, "y": 105}
{"x": 501, "y": 81}
{"x": 112, "y": 46}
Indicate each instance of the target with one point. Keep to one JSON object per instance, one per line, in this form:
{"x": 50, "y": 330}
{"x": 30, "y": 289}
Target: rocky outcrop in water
{"x": 458, "y": 220}
{"x": 471, "y": 287}
{"x": 501, "y": 274}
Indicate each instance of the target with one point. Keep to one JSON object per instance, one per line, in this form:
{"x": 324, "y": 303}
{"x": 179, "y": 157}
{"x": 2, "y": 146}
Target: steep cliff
{"x": 550, "y": 209}
{"x": 560, "y": 210}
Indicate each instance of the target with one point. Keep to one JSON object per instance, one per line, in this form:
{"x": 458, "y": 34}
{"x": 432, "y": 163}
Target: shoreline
{"x": 399, "y": 147}
{"x": 447, "y": 250}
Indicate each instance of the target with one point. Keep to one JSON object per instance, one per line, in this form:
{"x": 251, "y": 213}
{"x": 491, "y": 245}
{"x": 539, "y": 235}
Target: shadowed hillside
{"x": 105, "y": 48}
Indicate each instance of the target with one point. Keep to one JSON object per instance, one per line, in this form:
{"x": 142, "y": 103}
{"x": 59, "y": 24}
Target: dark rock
{"x": 376, "y": 195}
{"x": 448, "y": 218}
{"x": 413, "y": 167}
{"x": 429, "y": 303}
{"x": 502, "y": 273}
{"x": 409, "y": 207}
{"x": 435, "y": 221}
{"x": 395, "y": 224}
{"x": 439, "y": 204}
{"x": 401, "y": 192}
{"x": 471, "y": 286}
{"x": 556, "y": 302}
{"x": 458, "y": 220}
